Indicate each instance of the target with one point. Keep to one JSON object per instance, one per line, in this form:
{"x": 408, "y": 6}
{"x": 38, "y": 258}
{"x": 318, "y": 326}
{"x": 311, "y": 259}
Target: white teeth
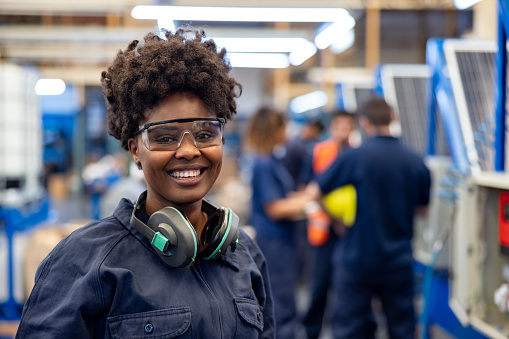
{"x": 185, "y": 174}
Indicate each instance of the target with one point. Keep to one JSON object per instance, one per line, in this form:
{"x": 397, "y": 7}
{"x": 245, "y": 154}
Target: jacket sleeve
{"x": 339, "y": 173}
{"x": 65, "y": 301}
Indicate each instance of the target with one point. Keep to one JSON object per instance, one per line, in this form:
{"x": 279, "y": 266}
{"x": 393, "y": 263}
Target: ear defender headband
{"x": 175, "y": 240}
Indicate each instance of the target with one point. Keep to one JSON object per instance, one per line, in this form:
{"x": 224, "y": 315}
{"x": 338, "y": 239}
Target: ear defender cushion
{"x": 220, "y": 232}
{"x": 183, "y": 243}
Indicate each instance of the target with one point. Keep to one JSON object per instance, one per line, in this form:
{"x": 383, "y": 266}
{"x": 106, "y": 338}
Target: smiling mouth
{"x": 186, "y": 174}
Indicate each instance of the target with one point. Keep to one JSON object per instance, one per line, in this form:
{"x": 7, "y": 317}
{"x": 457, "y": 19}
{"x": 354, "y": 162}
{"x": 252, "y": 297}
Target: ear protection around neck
{"x": 175, "y": 240}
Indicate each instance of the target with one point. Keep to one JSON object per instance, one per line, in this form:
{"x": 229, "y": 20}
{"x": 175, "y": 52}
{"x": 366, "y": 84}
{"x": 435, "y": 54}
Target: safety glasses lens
{"x": 167, "y": 137}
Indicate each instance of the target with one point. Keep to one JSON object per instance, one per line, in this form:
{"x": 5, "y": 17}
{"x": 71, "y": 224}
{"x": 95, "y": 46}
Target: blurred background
{"x": 435, "y": 61}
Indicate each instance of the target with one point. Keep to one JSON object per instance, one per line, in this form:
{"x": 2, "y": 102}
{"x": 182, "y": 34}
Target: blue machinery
{"x": 475, "y": 122}
{"x": 501, "y": 84}
{"x": 23, "y": 202}
{"x": 16, "y": 220}
{"x": 466, "y": 98}
{"x": 351, "y": 93}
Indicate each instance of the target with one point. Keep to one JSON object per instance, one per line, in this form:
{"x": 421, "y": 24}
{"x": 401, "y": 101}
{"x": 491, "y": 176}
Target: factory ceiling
{"x": 74, "y": 39}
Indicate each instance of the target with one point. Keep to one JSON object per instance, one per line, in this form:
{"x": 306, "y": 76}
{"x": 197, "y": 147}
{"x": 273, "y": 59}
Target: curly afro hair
{"x": 144, "y": 74}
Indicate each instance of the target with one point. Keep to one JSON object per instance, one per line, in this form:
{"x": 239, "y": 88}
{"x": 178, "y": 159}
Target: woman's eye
{"x": 203, "y": 136}
{"x": 164, "y": 140}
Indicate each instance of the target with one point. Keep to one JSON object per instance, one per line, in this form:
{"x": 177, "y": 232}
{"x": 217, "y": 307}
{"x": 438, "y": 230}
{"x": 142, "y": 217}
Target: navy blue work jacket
{"x": 270, "y": 181}
{"x": 392, "y": 181}
{"x": 105, "y": 281}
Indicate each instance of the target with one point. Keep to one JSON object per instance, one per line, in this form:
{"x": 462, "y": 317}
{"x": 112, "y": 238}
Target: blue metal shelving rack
{"x": 14, "y": 220}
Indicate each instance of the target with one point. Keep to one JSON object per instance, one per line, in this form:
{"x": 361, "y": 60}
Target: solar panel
{"x": 471, "y": 67}
{"x": 354, "y": 92}
{"x": 405, "y": 89}
{"x": 363, "y": 94}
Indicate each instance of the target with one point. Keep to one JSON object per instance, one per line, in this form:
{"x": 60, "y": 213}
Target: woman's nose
{"x": 182, "y": 139}
{"x": 187, "y": 147}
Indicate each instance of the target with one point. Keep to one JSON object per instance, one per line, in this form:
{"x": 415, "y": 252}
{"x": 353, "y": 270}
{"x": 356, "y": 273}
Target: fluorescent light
{"x": 344, "y": 42}
{"x": 270, "y": 45}
{"x": 300, "y": 49}
{"x": 308, "y": 102}
{"x": 462, "y": 4}
{"x": 259, "y": 60}
{"x": 50, "y": 87}
{"x": 302, "y": 53}
{"x": 167, "y": 24}
{"x": 250, "y": 14}
{"x": 333, "y": 32}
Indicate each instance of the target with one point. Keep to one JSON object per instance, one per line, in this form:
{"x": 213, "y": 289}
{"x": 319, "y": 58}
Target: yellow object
{"x": 342, "y": 204}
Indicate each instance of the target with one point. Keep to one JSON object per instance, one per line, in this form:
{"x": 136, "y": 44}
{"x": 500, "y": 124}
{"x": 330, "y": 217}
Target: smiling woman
{"x": 168, "y": 169}
{"x": 172, "y": 264}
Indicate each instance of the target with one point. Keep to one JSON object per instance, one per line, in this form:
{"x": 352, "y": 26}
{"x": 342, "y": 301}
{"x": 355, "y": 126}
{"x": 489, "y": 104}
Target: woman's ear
{"x": 134, "y": 149}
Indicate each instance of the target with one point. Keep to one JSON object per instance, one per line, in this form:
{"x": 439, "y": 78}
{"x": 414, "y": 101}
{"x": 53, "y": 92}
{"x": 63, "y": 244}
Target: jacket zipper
{"x": 197, "y": 269}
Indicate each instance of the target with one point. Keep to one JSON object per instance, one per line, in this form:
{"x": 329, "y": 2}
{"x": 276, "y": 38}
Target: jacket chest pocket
{"x": 160, "y": 324}
{"x": 250, "y": 318}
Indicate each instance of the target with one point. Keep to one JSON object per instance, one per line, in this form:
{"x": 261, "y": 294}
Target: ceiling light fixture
{"x": 239, "y": 14}
{"x": 49, "y": 87}
{"x": 334, "y": 32}
{"x": 463, "y": 4}
{"x": 259, "y": 60}
{"x": 166, "y": 23}
{"x": 308, "y": 102}
{"x": 300, "y": 49}
{"x": 344, "y": 42}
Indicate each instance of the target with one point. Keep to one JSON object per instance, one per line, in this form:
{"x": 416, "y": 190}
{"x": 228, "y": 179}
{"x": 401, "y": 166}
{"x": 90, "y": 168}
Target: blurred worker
{"x": 129, "y": 187}
{"x": 297, "y": 159}
{"x": 275, "y": 206}
{"x": 299, "y": 151}
{"x": 375, "y": 257}
{"x": 172, "y": 264}
{"x": 323, "y": 240}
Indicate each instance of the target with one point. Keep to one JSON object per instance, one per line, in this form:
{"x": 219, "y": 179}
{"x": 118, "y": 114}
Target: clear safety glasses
{"x": 168, "y": 135}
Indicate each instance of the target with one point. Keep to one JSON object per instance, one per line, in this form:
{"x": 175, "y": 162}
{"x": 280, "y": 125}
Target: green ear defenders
{"x": 175, "y": 240}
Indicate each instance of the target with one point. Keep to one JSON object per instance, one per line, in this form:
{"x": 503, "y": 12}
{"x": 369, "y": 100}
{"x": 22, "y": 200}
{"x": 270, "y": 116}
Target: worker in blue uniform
{"x": 173, "y": 264}
{"x": 375, "y": 257}
{"x": 297, "y": 160}
{"x": 341, "y": 126}
{"x": 275, "y": 207}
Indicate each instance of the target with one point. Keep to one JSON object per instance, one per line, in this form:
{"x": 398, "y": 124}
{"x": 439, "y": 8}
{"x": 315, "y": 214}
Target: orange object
{"x": 319, "y": 221}
{"x": 318, "y": 228}
{"x": 324, "y": 154}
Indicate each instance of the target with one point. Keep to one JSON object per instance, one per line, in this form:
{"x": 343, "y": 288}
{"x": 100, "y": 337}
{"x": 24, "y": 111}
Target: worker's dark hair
{"x": 145, "y": 73}
{"x": 316, "y": 123}
{"x": 377, "y": 111}
{"x": 342, "y": 113}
